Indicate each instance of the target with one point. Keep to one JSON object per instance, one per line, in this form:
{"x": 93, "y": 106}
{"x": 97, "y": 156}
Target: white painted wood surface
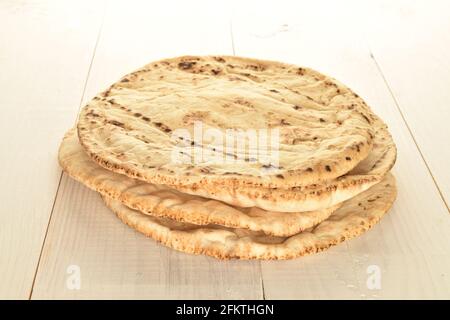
{"x": 46, "y": 50}
{"x": 46, "y": 63}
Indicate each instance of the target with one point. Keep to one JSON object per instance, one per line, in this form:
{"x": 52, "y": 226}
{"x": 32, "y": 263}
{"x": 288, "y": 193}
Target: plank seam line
{"x": 45, "y": 237}
{"x": 232, "y": 37}
{"x": 61, "y": 175}
{"x": 261, "y": 282}
{"x": 94, "y": 52}
{"x": 262, "y": 285}
{"x": 409, "y": 129}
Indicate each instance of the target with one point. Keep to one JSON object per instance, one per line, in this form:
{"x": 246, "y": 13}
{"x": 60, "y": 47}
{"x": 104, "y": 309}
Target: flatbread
{"x": 324, "y": 127}
{"x": 352, "y": 219}
{"x": 316, "y": 196}
{"x": 162, "y": 201}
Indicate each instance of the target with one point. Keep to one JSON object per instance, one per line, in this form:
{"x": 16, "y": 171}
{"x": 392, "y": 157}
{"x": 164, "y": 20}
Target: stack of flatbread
{"x": 180, "y": 151}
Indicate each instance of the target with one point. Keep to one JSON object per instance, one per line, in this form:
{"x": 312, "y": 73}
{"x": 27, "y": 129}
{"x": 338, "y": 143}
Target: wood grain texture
{"x": 115, "y": 261}
{"x": 415, "y": 61}
{"x": 411, "y": 246}
{"x": 45, "y": 53}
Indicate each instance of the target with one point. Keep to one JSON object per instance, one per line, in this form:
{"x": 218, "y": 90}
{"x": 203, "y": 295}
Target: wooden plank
{"x": 115, "y": 261}
{"x": 411, "y": 246}
{"x": 45, "y": 54}
{"x": 414, "y": 59}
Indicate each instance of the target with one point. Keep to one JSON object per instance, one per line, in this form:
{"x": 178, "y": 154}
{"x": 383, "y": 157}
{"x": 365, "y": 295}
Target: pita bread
{"x": 163, "y": 201}
{"x": 324, "y": 127}
{"x": 352, "y": 219}
{"x": 318, "y": 195}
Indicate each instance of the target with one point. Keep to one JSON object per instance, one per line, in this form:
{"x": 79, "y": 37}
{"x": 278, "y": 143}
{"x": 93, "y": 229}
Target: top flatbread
{"x": 324, "y": 128}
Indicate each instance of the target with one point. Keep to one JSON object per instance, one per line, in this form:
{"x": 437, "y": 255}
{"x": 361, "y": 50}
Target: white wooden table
{"x": 55, "y": 55}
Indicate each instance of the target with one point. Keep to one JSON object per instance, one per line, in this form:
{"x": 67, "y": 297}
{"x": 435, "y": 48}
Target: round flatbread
{"x": 162, "y": 201}
{"x": 320, "y": 128}
{"x": 355, "y": 217}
